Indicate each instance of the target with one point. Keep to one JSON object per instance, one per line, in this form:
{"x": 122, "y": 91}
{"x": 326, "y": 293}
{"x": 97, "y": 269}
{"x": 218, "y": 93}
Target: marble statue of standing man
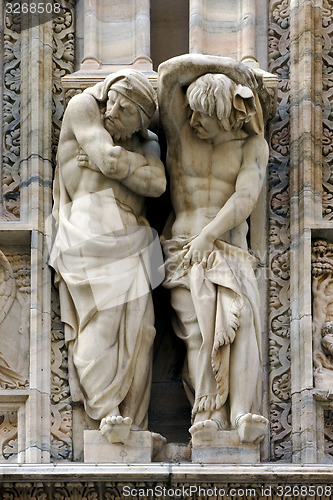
{"x": 216, "y": 158}
{"x": 108, "y": 162}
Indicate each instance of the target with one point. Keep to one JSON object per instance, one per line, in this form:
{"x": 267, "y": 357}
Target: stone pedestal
{"x": 225, "y": 448}
{"x": 137, "y": 449}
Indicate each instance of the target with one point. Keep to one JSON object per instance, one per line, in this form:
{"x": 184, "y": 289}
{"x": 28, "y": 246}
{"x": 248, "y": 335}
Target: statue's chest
{"x": 202, "y": 159}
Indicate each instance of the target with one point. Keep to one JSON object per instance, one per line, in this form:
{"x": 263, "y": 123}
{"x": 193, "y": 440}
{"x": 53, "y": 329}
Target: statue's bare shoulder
{"x": 81, "y": 110}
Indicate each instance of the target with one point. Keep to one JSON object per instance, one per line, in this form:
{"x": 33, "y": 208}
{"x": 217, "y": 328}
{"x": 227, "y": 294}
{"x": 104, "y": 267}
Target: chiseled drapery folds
{"x": 103, "y": 268}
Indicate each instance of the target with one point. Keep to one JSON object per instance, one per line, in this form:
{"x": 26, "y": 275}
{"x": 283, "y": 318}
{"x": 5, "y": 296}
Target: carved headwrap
{"x": 131, "y": 84}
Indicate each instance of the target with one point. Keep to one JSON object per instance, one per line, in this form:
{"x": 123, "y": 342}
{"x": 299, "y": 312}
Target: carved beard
{"x": 116, "y": 129}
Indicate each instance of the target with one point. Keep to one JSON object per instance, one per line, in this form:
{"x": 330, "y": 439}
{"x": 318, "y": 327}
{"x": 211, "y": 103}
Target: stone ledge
{"x": 175, "y": 473}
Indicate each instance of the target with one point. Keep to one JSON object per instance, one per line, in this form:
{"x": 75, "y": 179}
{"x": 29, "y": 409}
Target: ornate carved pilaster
{"x": 61, "y": 429}
{"x": 11, "y": 103}
{"x": 61, "y": 422}
{"x": 279, "y": 237}
{"x": 327, "y": 143}
{"x": 306, "y": 58}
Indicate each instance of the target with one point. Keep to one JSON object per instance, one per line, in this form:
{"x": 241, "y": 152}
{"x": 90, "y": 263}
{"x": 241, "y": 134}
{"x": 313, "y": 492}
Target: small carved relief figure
{"x": 14, "y": 303}
{"x": 322, "y": 291}
{"x": 108, "y": 161}
{"x": 216, "y": 157}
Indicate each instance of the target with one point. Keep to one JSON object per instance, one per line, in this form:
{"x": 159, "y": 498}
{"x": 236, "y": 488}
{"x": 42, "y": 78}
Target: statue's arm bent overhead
{"x": 180, "y": 71}
{"x": 183, "y": 70}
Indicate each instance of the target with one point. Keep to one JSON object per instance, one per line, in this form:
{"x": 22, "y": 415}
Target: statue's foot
{"x": 159, "y": 442}
{"x": 251, "y": 427}
{"x": 115, "y": 428}
{"x": 206, "y": 429}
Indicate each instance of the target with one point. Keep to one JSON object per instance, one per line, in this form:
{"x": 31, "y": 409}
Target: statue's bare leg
{"x": 208, "y": 422}
{"x": 244, "y": 373}
{"x": 115, "y": 428}
{"x": 187, "y": 328}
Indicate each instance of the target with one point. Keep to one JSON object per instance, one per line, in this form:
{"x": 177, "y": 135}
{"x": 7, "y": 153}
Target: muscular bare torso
{"x": 84, "y": 180}
{"x": 203, "y": 179}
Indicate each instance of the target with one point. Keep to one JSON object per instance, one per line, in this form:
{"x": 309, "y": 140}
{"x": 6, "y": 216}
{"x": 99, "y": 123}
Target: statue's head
{"x": 219, "y": 103}
{"x": 122, "y": 116}
{"x": 128, "y": 102}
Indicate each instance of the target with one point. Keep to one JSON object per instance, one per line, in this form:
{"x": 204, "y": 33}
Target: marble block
{"x": 137, "y": 449}
{"x": 225, "y": 448}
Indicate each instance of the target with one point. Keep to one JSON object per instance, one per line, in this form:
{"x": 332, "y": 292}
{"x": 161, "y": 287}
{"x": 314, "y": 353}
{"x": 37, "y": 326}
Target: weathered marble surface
{"x": 217, "y": 157}
{"x": 224, "y": 447}
{"x": 137, "y": 449}
{"x": 115, "y": 34}
{"x": 108, "y": 162}
{"x": 299, "y": 46}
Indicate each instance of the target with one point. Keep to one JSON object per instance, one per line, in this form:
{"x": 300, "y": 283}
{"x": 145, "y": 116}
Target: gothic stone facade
{"x": 47, "y": 58}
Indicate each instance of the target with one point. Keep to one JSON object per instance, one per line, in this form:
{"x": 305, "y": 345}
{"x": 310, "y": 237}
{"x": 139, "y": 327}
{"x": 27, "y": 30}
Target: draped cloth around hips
{"x": 217, "y": 292}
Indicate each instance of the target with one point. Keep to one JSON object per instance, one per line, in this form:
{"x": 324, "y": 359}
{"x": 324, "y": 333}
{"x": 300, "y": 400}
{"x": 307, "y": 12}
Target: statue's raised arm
{"x": 210, "y": 109}
{"x": 175, "y": 74}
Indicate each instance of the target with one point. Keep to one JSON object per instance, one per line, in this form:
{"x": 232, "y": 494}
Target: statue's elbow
{"x": 158, "y": 187}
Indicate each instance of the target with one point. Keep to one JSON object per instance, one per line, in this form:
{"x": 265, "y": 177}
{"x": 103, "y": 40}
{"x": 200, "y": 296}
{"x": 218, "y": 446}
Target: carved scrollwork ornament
{"x": 63, "y": 64}
{"x": 279, "y": 237}
{"x": 327, "y": 130}
{"x": 10, "y": 203}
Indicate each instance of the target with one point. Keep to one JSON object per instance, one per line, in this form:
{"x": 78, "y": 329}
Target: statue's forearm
{"x": 184, "y": 69}
{"x": 146, "y": 181}
{"x": 236, "y": 210}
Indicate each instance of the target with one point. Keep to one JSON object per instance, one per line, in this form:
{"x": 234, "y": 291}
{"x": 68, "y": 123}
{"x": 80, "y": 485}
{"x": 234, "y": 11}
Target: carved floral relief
{"x": 10, "y": 201}
{"x": 61, "y": 410}
{"x": 14, "y": 319}
{"x": 327, "y": 149}
{"x": 279, "y": 237}
{"x": 8, "y": 436}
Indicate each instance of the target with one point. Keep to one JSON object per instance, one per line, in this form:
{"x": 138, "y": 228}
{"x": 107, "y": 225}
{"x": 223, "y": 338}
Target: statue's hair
{"x": 213, "y": 94}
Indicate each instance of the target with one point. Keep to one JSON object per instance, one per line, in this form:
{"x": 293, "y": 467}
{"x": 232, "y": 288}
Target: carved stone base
{"x": 137, "y": 449}
{"x": 225, "y": 448}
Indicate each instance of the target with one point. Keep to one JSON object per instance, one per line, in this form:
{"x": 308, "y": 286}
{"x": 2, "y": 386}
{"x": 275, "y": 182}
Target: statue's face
{"x": 122, "y": 116}
{"x": 205, "y": 127}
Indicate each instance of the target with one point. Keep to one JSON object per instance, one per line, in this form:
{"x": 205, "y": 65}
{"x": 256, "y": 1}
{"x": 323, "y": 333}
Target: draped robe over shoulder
{"x": 106, "y": 270}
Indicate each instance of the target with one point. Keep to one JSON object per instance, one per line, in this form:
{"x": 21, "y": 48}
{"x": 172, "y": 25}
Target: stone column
{"x": 116, "y": 34}
{"x": 228, "y": 29}
{"x": 248, "y": 32}
{"x": 214, "y": 27}
{"x": 36, "y": 182}
{"x": 305, "y": 211}
{"x": 90, "y": 54}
